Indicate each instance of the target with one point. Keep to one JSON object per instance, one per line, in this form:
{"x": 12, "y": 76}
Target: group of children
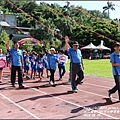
{"x": 34, "y": 64}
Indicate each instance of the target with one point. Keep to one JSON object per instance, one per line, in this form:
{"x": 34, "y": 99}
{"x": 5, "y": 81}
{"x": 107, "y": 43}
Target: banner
{"x": 32, "y": 40}
{"x": 2, "y": 61}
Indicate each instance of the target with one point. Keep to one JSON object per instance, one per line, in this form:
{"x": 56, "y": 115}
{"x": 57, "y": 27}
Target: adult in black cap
{"x": 17, "y": 63}
{"x": 76, "y": 64}
{"x": 115, "y": 61}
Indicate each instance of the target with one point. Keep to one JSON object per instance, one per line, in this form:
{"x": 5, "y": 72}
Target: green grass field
{"x": 101, "y": 67}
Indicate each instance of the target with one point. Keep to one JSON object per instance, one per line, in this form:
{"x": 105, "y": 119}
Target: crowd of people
{"x": 30, "y": 64}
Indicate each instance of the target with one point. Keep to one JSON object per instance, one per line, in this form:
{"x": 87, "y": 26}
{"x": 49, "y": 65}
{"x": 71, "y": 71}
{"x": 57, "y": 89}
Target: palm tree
{"x": 109, "y": 6}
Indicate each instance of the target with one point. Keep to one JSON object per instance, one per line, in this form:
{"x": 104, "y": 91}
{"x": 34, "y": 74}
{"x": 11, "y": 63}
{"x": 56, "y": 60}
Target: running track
{"x": 42, "y": 101}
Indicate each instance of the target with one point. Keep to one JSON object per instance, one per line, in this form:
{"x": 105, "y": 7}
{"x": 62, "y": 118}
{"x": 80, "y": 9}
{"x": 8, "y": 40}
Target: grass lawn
{"x": 101, "y": 67}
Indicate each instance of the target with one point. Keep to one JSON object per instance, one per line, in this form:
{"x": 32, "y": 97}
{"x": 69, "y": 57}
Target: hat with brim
{"x": 52, "y": 49}
{"x": 75, "y": 43}
{"x": 116, "y": 44}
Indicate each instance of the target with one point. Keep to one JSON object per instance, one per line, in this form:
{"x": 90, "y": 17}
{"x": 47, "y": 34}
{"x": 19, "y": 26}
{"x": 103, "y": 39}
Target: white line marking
{"x": 19, "y": 106}
{"x": 91, "y": 93}
{"x": 72, "y": 103}
{"x": 96, "y": 85}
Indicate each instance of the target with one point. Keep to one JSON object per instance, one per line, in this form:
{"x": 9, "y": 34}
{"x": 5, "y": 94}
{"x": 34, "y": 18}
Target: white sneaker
{"x": 51, "y": 83}
{"x": 54, "y": 83}
{"x": 75, "y": 91}
{"x": 109, "y": 94}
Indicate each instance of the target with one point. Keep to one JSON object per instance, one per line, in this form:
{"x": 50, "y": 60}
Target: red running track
{"x": 42, "y": 101}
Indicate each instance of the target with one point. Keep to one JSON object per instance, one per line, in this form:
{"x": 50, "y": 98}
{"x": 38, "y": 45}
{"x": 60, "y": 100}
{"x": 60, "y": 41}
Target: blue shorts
{"x": 1, "y": 68}
{"x": 40, "y": 70}
{"x": 34, "y": 68}
{"x": 27, "y": 67}
{"x": 46, "y": 65}
{"x": 24, "y": 66}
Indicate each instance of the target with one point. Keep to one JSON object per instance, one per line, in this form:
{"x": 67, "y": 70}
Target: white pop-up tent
{"x": 102, "y": 47}
{"x": 90, "y": 47}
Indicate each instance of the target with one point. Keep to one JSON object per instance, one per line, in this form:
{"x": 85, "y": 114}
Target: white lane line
{"x": 19, "y": 106}
{"x": 72, "y": 103}
{"x": 94, "y": 84}
{"x": 97, "y": 85}
{"x": 91, "y": 93}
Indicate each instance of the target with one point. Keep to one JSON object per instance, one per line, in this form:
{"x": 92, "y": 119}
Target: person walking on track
{"x": 62, "y": 59}
{"x": 115, "y": 61}
{"x": 76, "y": 64}
{"x": 52, "y": 60}
{"x": 17, "y": 63}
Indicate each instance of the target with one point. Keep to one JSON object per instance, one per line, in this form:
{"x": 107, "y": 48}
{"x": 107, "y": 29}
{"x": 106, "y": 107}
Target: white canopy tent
{"x": 90, "y": 47}
{"x": 102, "y": 47}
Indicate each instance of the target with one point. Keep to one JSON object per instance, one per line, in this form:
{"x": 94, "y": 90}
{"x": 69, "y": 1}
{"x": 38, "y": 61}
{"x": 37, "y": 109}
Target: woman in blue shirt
{"x": 52, "y": 60}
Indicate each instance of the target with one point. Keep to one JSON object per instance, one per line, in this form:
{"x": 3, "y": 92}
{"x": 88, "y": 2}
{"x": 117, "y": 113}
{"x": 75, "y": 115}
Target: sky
{"x": 91, "y": 5}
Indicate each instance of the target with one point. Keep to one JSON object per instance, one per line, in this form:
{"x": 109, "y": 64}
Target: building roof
{"x": 3, "y": 23}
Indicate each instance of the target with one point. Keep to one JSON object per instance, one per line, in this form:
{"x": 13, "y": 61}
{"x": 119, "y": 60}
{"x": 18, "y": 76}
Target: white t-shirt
{"x": 62, "y": 58}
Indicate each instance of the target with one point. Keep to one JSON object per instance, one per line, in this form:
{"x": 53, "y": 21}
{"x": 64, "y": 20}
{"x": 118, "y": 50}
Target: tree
{"x": 109, "y": 6}
{"x": 3, "y": 41}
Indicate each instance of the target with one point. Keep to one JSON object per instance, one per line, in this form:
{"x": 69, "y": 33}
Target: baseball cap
{"x": 75, "y": 43}
{"x": 116, "y": 44}
{"x": 52, "y": 49}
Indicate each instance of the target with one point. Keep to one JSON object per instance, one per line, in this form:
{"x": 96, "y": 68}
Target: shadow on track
{"x": 95, "y": 106}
